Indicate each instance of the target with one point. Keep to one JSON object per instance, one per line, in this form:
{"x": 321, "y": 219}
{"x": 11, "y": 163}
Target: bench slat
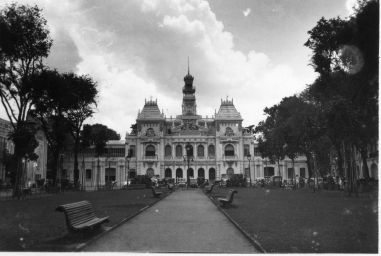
{"x": 91, "y": 222}
{"x": 80, "y": 215}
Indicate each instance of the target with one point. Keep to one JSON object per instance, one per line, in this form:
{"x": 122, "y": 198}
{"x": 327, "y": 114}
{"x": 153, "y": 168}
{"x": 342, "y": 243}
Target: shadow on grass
{"x": 69, "y": 241}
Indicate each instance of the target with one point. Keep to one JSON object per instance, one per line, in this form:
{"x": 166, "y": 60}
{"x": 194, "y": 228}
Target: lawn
{"x": 34, "y": 225}
{"x": 300, "y": 221}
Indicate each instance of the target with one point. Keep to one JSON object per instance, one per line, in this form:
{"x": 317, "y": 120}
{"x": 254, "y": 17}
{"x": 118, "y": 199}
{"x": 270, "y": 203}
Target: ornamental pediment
{"x": 229, "y": 139}
{"x": 149, "y": 140}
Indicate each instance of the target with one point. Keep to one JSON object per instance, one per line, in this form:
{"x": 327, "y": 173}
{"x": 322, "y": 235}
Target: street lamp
{"x": 188, "y": 158}
{"x": 249, "y": 158}
{"x": 128, "y": 157}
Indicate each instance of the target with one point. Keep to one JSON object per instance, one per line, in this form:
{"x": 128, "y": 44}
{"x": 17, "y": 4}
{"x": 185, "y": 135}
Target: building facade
{"x": 188, "y": 145}
{"x": 35, "y": 170}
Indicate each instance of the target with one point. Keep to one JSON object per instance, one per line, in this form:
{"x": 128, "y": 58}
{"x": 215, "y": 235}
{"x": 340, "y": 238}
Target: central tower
{"x": 189, "y": 99}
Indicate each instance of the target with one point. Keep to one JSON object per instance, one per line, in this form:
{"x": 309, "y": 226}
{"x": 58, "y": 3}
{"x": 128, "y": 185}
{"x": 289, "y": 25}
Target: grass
{"x": 300, "y": 221}
{"x": 34, "y": 225}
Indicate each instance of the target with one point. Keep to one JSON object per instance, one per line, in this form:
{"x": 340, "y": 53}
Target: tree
{"x": 51, "y": 97}
{"x": 345, "y": 54}
{"x": 24, "y": 43}
{"x": 83, "y": 91}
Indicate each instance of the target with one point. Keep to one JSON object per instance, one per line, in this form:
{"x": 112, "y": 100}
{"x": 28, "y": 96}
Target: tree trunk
{"x": 340, "y": 162}
{"x": 309, "y": 164}
{"x": 364, "y": 155}
{"x": 55, "y": 165}
{"x": 76, "y": 170}
{"x": 17, "y": 185}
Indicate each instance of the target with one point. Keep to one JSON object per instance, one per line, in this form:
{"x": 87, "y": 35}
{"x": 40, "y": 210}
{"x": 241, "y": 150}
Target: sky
{"x": 250, "y": 51}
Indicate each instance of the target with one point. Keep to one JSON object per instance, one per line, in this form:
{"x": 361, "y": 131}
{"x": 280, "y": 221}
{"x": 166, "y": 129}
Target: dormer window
{"x": 229, "y": 131}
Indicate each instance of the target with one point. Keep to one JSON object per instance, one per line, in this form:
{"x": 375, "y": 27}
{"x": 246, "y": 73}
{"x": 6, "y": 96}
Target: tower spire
{"x": 188, "y": 65}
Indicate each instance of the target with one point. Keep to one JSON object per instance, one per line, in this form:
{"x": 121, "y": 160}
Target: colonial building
{"x": 188, "y": 145}
{"x": 35, "y": 170}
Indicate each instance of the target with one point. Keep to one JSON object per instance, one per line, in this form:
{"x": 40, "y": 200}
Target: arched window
{"x": 179, "y": 173}
{"x": 230, "y": 172}
{"x": 201, "y": 173}
{"x": 150, "y": 150}
{"x": 229, "y": 150}
{"x": 189, "y": 149}
{"x": 190, "y": 172}
{"x": 179, "y": 151}
{"x": 200, "y": 150}
{"x": 211, "y": 151}
{"x": 229, "y": 131}
{"x": 150, "y": 172}
{"x": 168, "y": 173}
{"x": 212, "y": 174}
{"x": 150, "y": 132}
{"x": 168, "y": 151}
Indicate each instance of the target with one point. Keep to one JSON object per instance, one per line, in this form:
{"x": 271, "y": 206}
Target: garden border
{"x": 252, "y": 240}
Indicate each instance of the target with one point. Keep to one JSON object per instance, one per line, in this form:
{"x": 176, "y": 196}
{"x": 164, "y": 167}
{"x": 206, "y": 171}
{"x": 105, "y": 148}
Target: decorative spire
{"x": 188, "y": 65}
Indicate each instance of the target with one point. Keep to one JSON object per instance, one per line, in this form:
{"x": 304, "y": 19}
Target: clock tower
{"x": 189, "y": 99}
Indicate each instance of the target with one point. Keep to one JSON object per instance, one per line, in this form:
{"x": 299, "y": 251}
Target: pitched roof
{"x": 228, "y": 111}
{"x": 150, "y": 111}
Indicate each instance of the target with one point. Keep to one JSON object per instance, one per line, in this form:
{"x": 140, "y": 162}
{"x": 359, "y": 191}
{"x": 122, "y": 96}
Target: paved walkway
{"x": 185, "y": 221}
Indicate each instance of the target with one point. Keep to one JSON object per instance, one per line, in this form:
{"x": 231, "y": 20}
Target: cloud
{"x": 137, "y": 49}
{"x": 246, "y": 12}
{"x": 351, "y": 5}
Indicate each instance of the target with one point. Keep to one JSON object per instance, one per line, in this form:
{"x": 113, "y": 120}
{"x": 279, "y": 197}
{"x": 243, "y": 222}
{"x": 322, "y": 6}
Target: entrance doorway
{"x": 110, "y": 174}
{"x": 212, "y": 174}
{"x": 168, "y": 173}
{"x": 179, "y": 173}
{"x": 190, "y": 173}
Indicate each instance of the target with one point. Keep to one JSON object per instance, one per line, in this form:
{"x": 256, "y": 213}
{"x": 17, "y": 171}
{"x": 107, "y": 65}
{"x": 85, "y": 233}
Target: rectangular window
{"x": 290, "y": 173}
{"x": 303, "y": 172}
{"x": 246, "y": 150}
{"x": 247, "y": 172}
{"x": 37, "y": 177}
{"x": 131, "y": 152}
{"x": 88, "y": 174}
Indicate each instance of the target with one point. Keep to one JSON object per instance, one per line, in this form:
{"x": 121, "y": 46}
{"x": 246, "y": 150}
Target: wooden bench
{"x": 228, "y": 199}
{"x": 155, "y": 193}
{"x": 208, "y": 189}
{"x": 80, "y": 216}
{"x": 170, "y": 187}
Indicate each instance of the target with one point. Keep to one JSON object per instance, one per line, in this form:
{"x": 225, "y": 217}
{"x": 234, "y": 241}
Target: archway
{"x": 150, "y": 172}
{"x": 230, "y": 172}
{"x": 168, "y": 173}
{"x": 190, "y": 172}
{"x": 179, "y": 173}
{"x": 201, "y": 173}
{"x": 374, "y": 171}
{"x": 189, "y": 150}
{"x": 212, "y": 174}
{"x": 229, "y": 150}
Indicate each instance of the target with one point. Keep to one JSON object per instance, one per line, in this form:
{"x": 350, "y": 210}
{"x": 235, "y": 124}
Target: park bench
{"x": 208, "y": 189}
{"x": 155, "y": 193}
{"x": 170, "y": 187}
{"x": 80, "y": 216}
{"x": 228, "y": 199}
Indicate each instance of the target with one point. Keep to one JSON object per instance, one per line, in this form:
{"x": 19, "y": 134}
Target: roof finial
{"x": 188, "y": 65}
